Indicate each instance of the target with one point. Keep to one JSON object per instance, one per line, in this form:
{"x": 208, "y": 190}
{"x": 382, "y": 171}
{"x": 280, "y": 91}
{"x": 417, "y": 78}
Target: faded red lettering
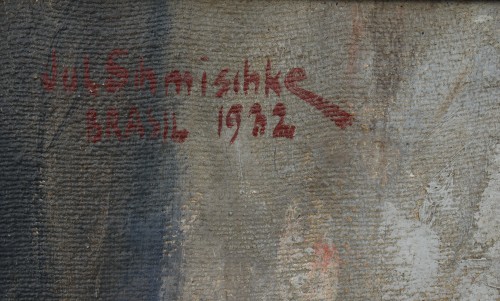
{"x": 219, "y": 129}
{"x": 89, "y": 84}
{"x": 236, "y": 82}
{"x": 272, "y": 82}
{"x": 223, "y": 82}
{"x": 331, "y": 111}
{"x": 144, "y": 74}
{"x": 116, "y": 70}
{"x": 118, "y": 78}
{"x": 236, "y": 111}
{"x": 94, "y": 129}
{"x": 176, "y": 78}
{"x": 134, "y": 123}
{"x": 72, "y": 86}
{"x": 154, "y": 123}
{"x": 282, "y": 129}
{"x": 112, "y": 123}
{"x": 250, "y": 78}
{"x": 260, "y": 120}
{"x": 178, "y": 136}
{"x": 204, "y": 78}
{"x": 204, "y": 84}
{"x": 165, "y": 128}
{"x": 50, "y": 82}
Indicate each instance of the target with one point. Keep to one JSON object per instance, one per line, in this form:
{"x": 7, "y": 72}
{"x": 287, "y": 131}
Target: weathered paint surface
{"x": 208, "y": 150}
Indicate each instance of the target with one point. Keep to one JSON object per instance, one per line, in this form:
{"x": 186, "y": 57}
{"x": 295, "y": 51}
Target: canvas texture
{"x": 234, "y": 150}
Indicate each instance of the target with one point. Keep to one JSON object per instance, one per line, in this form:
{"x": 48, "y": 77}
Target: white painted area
{"x": 488, "y": 217}
{"x": 477, "y": 291}
{"x": 477, "y": 284}
{"x": 439, "y": 197}
{"x": 485, "y": 285}
{"x": 482, "y": 18}
{"x": 416, "y": 255}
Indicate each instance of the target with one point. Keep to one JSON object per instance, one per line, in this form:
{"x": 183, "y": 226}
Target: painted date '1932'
{"x": 233, "y": 118}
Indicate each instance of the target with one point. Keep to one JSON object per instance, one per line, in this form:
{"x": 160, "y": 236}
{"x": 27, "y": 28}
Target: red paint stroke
{"x": 134, "y": 123}
{"x": 165, "y": 128}
{"x": 235, "y": 111}
{"x": 331, "y": 111}
{"x": 143, "y": 74}
{"x": 236, "y": 83}
{"x": 282, "y": 129}
{"x": 113, "y": 85}
{"x": 221, "y": 114}
{"x": 71, "y": 87}
{"x": 94, "y": 129}
{"x": 204, "y": 84}
{"x": 155, "y": 124}
{"x": 88, "y": 83}
{"x": 112, "y": 118}
{"x": 222, "y": 81}
{"x": 176, "y": 78}
{"x": 178, "y": 136}
{"x": 272, "y": 82}
{"x": 50, "y": 82}
{"x": 260, "y": 122}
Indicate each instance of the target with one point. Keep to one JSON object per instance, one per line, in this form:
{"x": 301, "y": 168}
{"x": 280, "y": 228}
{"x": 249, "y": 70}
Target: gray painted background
{"x": 404, "y": 204}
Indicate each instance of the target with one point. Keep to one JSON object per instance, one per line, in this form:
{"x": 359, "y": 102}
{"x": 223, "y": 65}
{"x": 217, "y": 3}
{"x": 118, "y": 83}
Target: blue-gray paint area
{"x": 82, "y": 220}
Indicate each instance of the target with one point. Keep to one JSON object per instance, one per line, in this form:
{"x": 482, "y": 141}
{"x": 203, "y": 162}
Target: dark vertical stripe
{"x": 83, "y": 220}
{"x": 22, "y": 239}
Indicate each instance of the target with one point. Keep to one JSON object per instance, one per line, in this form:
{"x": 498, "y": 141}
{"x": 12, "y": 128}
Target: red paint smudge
{"x": 327, "y": 256}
